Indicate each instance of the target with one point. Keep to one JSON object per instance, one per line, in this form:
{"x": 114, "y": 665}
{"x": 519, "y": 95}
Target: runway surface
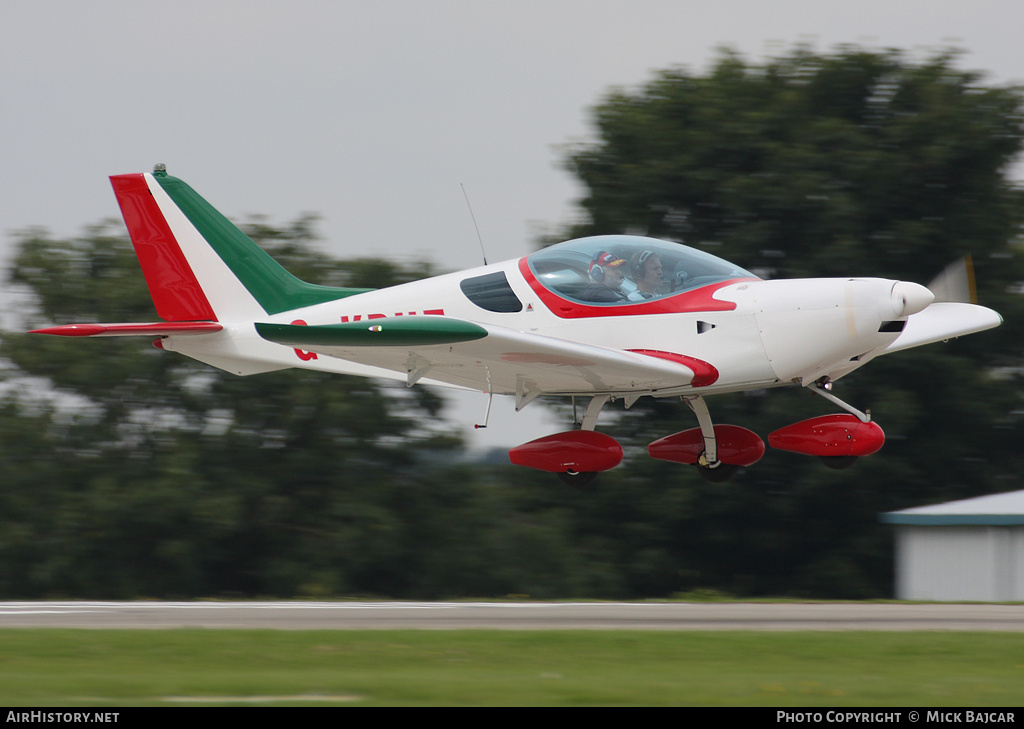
{"x": 511, "y": 616}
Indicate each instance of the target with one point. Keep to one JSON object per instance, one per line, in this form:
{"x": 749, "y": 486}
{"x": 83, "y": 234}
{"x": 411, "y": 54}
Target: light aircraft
{"x": 600, "y": 318}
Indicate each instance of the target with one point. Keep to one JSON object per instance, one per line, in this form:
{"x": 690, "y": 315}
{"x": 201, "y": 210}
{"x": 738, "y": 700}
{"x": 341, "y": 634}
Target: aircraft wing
{"x": 490, "y": 358}
{"x": 944, "y": 320}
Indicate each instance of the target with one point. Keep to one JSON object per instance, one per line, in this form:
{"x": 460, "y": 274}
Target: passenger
{"x": 647, "y": 273}
{"x": 606, "y": 277}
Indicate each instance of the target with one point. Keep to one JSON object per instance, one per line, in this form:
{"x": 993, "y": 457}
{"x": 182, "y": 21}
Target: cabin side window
{"x": 492, "y": 292}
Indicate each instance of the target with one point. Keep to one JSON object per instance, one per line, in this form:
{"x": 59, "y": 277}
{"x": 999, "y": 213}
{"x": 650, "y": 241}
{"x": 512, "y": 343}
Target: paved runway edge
{"x": 358, "y": 615}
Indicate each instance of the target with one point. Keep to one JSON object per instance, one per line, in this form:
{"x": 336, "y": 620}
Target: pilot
{"x": 606, "y": 276}
{"x": 647, "y": 273}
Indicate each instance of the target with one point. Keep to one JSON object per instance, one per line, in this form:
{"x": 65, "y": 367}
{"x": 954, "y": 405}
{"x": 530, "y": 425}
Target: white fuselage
{"x": 756, "y": 334}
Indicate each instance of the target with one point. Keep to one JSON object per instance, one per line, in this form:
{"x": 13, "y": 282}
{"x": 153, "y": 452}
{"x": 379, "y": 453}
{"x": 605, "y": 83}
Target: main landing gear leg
{"x": 710, "y": 467}
{"x": 593, "y": 410}
{"x": 579, "y": 479}
{"x": 575, "y": 456}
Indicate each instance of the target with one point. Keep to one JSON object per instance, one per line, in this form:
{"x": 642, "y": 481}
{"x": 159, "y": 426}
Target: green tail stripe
{"x": 270, "y": 284}
{"x": 389, "y": 332}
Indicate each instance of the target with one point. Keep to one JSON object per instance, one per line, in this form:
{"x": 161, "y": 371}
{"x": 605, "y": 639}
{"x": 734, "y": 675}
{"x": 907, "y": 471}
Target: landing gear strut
{"x": 838, "y": 439}
{"x": 708, "y": 464}
{"x": 575, "y": 456}
{"x": 718, "y": 451}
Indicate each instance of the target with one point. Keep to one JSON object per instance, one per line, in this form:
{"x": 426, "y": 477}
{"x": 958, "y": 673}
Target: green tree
{"x": 129, "y": 471}
{"x": 126, "y": 471}
{"x": 852, "y": 162}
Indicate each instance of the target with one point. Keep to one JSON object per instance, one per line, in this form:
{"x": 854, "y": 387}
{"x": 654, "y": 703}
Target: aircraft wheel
{"x": 578, "y": 479}
{"x": 838, "y": 463}
{"x": 720, "y": 474}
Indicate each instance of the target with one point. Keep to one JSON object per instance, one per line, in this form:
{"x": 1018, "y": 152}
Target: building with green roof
{"x": 968, "y": 550}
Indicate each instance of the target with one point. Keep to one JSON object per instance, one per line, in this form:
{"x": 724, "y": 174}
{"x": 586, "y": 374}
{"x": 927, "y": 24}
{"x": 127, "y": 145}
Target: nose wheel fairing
{"x": 830, "y": 436}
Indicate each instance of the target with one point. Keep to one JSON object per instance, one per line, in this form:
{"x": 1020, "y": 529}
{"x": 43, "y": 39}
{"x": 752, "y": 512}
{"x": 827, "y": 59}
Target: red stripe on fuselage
{"x": 702, "y": 299}
{"x": 172, "y": 284}
{"x": 704, "y": 374}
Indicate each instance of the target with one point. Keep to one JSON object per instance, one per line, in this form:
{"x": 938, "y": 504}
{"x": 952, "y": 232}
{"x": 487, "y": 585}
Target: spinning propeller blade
{"x": 956, "y": 283}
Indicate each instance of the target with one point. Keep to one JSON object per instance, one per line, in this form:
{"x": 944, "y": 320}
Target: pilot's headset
{"x": 638, "y": 267}
{"x": 598, "y": 262}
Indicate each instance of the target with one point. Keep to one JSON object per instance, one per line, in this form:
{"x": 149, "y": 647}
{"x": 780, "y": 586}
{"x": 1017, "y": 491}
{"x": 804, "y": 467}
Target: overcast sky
{"x": 372, "y": 114}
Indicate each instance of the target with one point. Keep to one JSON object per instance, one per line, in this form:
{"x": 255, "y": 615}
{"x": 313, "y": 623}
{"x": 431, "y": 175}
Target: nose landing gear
{"x": 838, "y": 439}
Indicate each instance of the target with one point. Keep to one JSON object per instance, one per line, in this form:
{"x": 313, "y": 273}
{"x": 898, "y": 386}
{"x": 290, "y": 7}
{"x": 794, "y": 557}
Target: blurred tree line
{"x": 127, "y": 472}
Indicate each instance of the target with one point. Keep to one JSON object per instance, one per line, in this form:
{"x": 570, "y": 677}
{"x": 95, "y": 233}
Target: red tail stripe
{"x": 172, "y": 284}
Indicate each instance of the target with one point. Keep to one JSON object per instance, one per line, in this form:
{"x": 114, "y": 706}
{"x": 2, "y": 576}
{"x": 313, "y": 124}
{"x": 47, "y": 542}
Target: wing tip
{"x": 71, "y": 330}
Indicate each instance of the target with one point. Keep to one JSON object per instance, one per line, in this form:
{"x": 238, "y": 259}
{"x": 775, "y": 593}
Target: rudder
{"x": 198, "y": 264}
{"x": 172, "y": 284}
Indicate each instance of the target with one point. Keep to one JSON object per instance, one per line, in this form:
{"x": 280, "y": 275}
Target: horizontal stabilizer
{"x": 390, "y": 332}
{"x": 161, "y": 329}
{"x": 198, "y": 265}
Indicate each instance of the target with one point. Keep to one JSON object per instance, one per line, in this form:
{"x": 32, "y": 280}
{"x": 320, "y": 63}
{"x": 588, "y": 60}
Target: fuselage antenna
{"x": 478, "y": 236}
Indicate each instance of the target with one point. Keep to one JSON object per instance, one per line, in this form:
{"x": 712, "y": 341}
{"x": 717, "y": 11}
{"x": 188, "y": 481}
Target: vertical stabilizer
{"x": 198, "y": 265}
{"x": 172, "y": 283}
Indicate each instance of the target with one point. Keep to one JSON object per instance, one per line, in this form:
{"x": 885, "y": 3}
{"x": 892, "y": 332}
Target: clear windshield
{"x": 625, "y": 269}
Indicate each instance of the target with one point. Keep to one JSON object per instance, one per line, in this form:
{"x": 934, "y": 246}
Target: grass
{"x": 53, "y": 667}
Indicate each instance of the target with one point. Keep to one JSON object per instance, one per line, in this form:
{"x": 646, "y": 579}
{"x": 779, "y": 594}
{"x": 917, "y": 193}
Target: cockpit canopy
{"x": 581, "y": 270}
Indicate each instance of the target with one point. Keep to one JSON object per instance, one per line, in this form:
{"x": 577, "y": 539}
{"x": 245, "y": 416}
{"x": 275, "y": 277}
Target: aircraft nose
{"x": 909, "y": 298}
